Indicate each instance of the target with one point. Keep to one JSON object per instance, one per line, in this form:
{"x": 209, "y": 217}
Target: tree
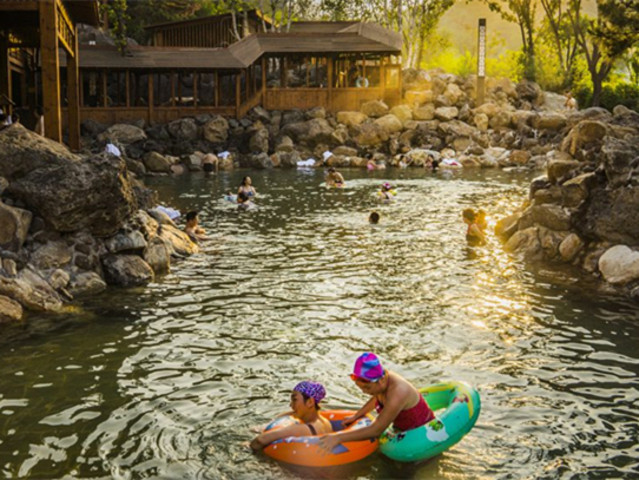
{"x": 604, "y": 39}
{"x": 117, "y": 18}
{"x": 557, "y": 33}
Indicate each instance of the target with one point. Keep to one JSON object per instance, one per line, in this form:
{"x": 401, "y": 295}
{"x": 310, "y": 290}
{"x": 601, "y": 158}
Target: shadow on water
{"x": 168, "y": 381}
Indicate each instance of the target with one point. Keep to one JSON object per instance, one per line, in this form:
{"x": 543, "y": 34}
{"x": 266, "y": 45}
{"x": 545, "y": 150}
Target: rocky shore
{"x": 71, "y": 225}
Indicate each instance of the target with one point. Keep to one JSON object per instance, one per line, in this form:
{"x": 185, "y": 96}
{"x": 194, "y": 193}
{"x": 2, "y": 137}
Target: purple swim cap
{"x": 368, "y": 367}
{"x": 312, "y": 390}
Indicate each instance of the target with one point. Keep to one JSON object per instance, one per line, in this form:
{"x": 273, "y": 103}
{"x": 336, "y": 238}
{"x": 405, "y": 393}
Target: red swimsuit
{"x": 414, "y": 417}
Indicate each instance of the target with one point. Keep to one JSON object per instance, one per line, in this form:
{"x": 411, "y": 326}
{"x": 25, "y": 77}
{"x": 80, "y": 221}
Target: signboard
{"x": 481, "y": 49}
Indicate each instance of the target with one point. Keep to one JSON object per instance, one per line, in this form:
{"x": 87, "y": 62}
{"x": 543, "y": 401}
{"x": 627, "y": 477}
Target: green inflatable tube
{"x": 456, "y": 406}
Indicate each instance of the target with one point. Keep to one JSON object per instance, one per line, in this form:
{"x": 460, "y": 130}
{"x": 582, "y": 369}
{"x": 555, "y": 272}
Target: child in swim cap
{"x": 305, "y": 404}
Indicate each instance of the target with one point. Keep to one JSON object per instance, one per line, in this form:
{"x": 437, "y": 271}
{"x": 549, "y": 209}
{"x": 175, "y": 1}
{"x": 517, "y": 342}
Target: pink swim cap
{"x": 368, "y": 367}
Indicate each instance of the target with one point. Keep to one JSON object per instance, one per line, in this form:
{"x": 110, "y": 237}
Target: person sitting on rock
{"x": 192, "y": 229}
{"x": 474, "y": 234}
{"x": 334, "y": 178}
{"x": 571, "y": 102}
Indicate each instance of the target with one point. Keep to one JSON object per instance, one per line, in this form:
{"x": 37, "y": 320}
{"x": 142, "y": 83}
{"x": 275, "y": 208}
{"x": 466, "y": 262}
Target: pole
{"x": 481, "y": 62}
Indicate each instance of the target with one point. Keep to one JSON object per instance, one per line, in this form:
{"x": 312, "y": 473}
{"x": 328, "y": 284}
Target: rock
{"x": 446, "y": 114}
{"x": 456, "y": 128}
{"x": 557, "y": 169}
{"x": 519, "y": 157}
{"x": 453, "y": 93}
{"x": 550, "y": 195}
{"x": 30, "y": 290}
{"x": 293, "y": 116}
{"x": 285, "y": 144}
{"x": 370, "y": 134}
{"x": 122, "y": 134}
{"x": 501, "y": 119}
{"x": 619, "y": 264}
{"x": 507, "y": 226}
{"x": 575, "y": 190}
{"x": 530, "y": 91}
{"x": 154, "y": 162}
{"x": 611, "y": 215}
{"x": 286, "y": 159}
{"x": 86, "y": 283}
{"x": 390, "y": 124}
{"x": 525, "y": 242}
{"x": 180, "y": 241}
{"x": 592, "y": 113}
{"x": 554, "y": 102}
{"x": 10, "y": 310}
{"x": 216, "y": 130}
{"x": 351, "y": 119}
{"x": 69, "y": 192}
{"x": 10, "y": 267}
{"x": 58, "y": 279}
{"x": 345, "y": 151}
{"x": 481, "y": 121}
{"x": 160, "y": 217}
{"x": 183, "y": 129}
{"x": 126, "y": 242}
{"x": 91, "y": 128}
{"x": 402, "y": 112}
{"x": 489, "y": 109}
{"x": 621, "y": 158}
{"x": 550, "y": 216}
{"x": 425, "y": 112}
{"x": 570, "y": 247}
{"x": 259, "y": 141}
{"x": 52, "y": 255}
{"x": 550, "y": 240}
{"x": 549, "y": 121}
{"x": 261, "y": 114}
{"x": 374, "y": 108}
{"x": 126, "y": 270}
{"x": 15, "y": 223}
{"x": 316, "y": 112}
{"x": 158, "y": 255}
{"x": 585, "y": 135}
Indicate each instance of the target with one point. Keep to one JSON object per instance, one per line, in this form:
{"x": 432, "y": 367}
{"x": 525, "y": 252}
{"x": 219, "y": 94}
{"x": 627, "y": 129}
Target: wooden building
{"x": 336, "y": 65}
{"x": 50, "y": 26}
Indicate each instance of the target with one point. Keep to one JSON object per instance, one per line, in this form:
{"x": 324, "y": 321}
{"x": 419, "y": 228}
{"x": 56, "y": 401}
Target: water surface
{"x": 167, "y": 381}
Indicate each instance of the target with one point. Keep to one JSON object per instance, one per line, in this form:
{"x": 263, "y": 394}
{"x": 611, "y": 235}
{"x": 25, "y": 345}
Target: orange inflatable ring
{"x": 305, "y": 451}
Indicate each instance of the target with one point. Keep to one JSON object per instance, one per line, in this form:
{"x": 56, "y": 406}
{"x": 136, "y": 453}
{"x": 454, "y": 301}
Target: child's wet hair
{"x": 192, "y": 215}
{"x": 469, "y": 214}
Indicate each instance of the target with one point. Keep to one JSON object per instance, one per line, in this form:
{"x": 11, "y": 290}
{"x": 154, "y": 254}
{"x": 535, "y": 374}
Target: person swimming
{"x": 305, "y": 405}
{"x": 474, "y": 234}
{"x": 387, "y": 192}
{"x": 192, "y": 228}
{"x": 247, "y": 187}
{"x": 373, "y": 218}
{"x": 334, "y": 178}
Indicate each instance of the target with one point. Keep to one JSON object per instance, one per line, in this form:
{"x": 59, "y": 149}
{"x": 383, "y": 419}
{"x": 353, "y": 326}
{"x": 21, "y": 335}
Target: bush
{"x": 612, "y": 94}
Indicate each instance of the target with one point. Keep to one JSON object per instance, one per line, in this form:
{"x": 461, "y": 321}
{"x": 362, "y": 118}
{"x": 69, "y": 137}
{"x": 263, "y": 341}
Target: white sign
{"x": 481, "y": 57}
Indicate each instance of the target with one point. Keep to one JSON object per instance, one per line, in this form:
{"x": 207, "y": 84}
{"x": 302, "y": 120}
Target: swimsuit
{"x": 414, "y": 417}
{"x": 312, "y": 429}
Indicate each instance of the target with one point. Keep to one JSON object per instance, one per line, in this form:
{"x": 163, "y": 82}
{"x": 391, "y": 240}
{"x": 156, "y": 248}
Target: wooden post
{"x": 172, "y": 89}
{"x": 151, "y": 99}
{"x": 5, "y": 71}
{"x": 73, "y": 95}
{"x": 195, "y": 79}
{"x": 263, "y": 80}
{"x": 382, "y": 75}
{"x": 127, "y": 86}
{"x": 216, "y": 89}
{"x": 329, "y": 77}
{"x": 48, "y": 13}
{"x": 237, "y": 93}
{"x": 104, "y": 89}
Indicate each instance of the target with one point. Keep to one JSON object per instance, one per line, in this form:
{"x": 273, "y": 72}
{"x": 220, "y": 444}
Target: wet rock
{"x": 180, "y": 241}
{"x": 86, "y": 283}
{"x": 550, "y": 241}
{"x": 519, "y": 157}
{"x": 154, "y": 162}
{"x": 158, "y": 255}
{"x": 31, "y": 291}
{"x": 259, "y": 141}
{"x": 611, "y": 215}
{"x": 525, "y": 242}
{"x": 619, "y": 264}
{"x": 570, "y": 247}
{"x": 575, "y": 191}
{"x": 547, "y": 195}
{"x": 10, "y": 310}
{"x": 14, "y": 227}
{"x": 160, "y": 217}
{"x": 58, "y": 279}
{"x": 285, "y": 144}
{"x": 550, "y": 216}
{"x": 557, "y": 169}
{"x": 126, "y": 270}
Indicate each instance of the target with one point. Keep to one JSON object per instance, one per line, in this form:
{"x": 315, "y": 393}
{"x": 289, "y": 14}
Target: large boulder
{"x": 216, "y": 130}
{"x": 86, "y": 283}
{"x": 10, "y": 310}
{"x": 15, "y": 224}
{"x": 258, "y": 143}
{"x": 550, "y": 216}
{"x": 158, "y": 255}
{"x": 183, "y": 129}
{"x": 52, "y": 255}
{"x": 621, "y": 158}
{"x": 570, "y": 247}
{"x": 179, "y": 241}
{"x": 549, "y": 121}
{"x": 390, "y": 123}
{"x": 370, "y": 135}
{"x": 69, "y": 192}
{"x": 122, "y": 134}
{"x": 403, "y": 112}
{"x": 446, "y": 114}
{"x": 619, "y": 264}
{"x": 586, "y": 135}
{"x": 425, "y": 112}
{"x": 30, "y": 290}
{"x": 374, "y": 108}
{"x": 155, "y": 162}
{"x": 611, "y": 215}
{"x": 126, "y": 270}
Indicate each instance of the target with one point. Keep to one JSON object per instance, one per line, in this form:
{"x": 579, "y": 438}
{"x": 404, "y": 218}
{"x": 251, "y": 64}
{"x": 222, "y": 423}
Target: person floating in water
{"x": 334, "y": 178}
{"x": 387, "y": 192}
{"x": 247, "y": 187}
{"x": 474, "y": 234}
{"x": 373, "y": 218}
{"x": 305, "y": 399}
{"x": 192, "y": 229}
{"x": 394, "y": 398}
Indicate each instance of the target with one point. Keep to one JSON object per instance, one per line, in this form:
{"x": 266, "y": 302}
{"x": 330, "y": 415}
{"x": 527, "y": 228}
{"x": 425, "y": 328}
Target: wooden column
{"x": 216, "y": 89}
{"x": 329, "y": 78}
{"x": 382, "y": 76}
{"x": 151, "y": 99}
{"x": 50, "y": 69}
{"x": 172, "y": 89}
{"x": 104, "y": 89}
{"x": 238, "y": 91}
{"x": 5, "y": 71}
{"x": 195, "y": 79}
{"x": 73, "y": 95}
{"x": 127, "y": 86}
{"x": 263, "y": 80}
